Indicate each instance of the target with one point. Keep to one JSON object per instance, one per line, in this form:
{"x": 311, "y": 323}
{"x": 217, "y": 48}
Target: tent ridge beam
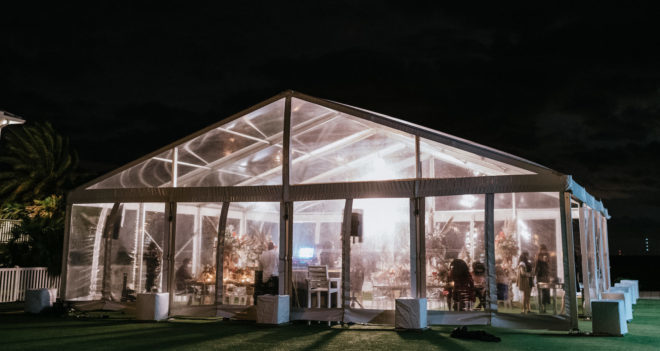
{"x": 369, "y": 189}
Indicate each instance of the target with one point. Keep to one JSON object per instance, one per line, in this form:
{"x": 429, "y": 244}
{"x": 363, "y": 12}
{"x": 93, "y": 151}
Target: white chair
{"x": 237, "y": 295}
{"x": 380, "y": 298}
{"x": 183, "y": 298}
{"x": 319, "y": 282}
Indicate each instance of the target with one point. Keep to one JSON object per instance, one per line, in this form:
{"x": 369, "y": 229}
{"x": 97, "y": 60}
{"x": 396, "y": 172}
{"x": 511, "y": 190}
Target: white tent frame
{"x": 540, "y": 179}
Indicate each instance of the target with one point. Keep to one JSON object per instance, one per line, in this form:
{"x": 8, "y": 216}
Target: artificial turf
{"x": 19, "y": 331}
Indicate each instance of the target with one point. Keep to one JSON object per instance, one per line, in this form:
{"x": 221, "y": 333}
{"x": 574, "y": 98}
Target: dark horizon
{"x": 575, "y": 91}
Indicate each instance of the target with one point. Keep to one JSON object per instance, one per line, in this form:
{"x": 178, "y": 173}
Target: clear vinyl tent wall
{"x": 252, "y": 204}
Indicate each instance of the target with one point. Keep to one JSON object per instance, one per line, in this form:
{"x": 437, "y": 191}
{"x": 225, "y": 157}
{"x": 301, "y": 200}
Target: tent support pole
{"x": 604, "y": 268}
{"x": 608, "y": 279}
{"x": 219, "y": 254}
{"x": 586, "y": 294}
{"x": 414, "y": 249}
{"x": 286, "y": 148}
{"x": 417, "y": 252}
{"x": 170, "y": 216}
{"x": 346, "y": 255}
{"x": 570, "y": 294}
{"x": 490, "y": 252}
{"x": 592, "y": 223}
{"x": 285, "y": 268}
{"x": 65, "y": 252}
{"x": 286, "y": 241}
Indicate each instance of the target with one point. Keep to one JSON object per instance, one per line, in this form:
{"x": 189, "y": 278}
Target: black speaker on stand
{"x": 356, "y": 226}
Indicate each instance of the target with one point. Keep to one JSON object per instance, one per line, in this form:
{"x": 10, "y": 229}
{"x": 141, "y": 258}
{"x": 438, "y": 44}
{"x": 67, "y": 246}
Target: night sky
{"x": 577, "y": 90}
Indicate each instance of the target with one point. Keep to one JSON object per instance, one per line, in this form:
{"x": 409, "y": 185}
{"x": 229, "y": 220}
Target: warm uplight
{"x": 523, "y": 230}
{"x": 468, "y": 201}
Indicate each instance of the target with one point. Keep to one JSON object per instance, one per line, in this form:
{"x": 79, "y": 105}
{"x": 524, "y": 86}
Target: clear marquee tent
{"x": 383, "y": 205}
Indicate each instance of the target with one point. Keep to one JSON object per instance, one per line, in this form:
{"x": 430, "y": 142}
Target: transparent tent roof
{"x": 329, "y": 142}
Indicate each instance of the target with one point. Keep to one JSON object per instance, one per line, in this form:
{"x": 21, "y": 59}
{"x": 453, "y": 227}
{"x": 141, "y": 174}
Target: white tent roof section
{"x": 339, "y": 147}
{"x": 238, "y": 151}
{"x": 329, "y": 143}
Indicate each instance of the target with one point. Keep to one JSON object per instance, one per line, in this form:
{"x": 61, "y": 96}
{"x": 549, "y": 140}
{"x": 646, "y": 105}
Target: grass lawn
{"x": 19, "y": 331}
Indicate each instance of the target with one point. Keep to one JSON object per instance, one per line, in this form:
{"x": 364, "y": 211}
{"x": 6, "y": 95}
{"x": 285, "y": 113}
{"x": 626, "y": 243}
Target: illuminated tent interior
{"x": 382, "y": 206}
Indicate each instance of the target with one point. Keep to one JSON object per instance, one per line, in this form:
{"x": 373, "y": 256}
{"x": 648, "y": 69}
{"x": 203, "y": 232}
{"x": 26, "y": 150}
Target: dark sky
{"x": 577, "y": 90}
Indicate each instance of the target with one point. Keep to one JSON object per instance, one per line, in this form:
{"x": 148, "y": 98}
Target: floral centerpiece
{"x": 506, "y": 243}
{"x": 241, "y": 253}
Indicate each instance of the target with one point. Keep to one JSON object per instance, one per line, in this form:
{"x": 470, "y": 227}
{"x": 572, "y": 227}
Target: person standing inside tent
{"x": 268, "y": 266}
{"x": 153, "y": 258}
{"x": 542, "y": 273}
{"x": 525, "y": 280}
{"x": 503, "y": 279}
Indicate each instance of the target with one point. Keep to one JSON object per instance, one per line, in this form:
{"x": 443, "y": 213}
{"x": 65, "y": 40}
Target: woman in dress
{"x": 525, "y": 280}
{"x": 542, "y": 273}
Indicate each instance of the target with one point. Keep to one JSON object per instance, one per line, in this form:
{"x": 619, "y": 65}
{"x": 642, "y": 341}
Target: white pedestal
{"x": 152, "y": 306}
{"x": 410, "y": 313}
{"x": 608, "y": 317}
{"x": 272, "y": 309}
{"x": 618, "y": 296}
{"x": 627, "y": 291}
{"x": 53, "y": 295}
{"x": 632, "y": 283}
{"x": 38, "y": 300}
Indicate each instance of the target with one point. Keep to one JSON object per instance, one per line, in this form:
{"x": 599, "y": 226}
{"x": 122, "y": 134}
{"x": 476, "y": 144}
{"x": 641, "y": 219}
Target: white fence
{"x": 6, "y": 226}
{"x": 15, "y": 281}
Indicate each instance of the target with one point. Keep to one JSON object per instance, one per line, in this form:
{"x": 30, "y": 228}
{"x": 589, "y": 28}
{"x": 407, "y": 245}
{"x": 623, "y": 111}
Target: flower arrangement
{"x": 505, "y": 242}
{"x": 241, "y": 254}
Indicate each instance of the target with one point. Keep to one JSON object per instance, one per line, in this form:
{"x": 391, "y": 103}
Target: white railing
{"x": 14, "y": 282}
{"x": 6, "y": 226}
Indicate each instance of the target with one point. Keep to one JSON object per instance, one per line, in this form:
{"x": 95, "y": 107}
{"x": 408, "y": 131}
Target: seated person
{"x": 463, "y": 286}
{"x": 183, "y": 279}
{"x": 479, "y": 279}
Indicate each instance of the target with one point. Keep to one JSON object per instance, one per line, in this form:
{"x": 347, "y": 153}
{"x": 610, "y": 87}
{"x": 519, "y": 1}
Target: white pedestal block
{"x": 608, "y": 317}
{"x": 410, "y": 313}
{"x": 38, "y": 300}
{"x": 618, "y": 296}
{"x": 627, "y": 291}
{"x": 53, "y": 295}
{"x": 152, "y": 306}
{"x": 632, "y": 283}
{"x": 272, "y": 309}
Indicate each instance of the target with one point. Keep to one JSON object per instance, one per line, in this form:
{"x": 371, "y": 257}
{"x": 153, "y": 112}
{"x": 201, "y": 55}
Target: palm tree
{"x": 35, "y": 162}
